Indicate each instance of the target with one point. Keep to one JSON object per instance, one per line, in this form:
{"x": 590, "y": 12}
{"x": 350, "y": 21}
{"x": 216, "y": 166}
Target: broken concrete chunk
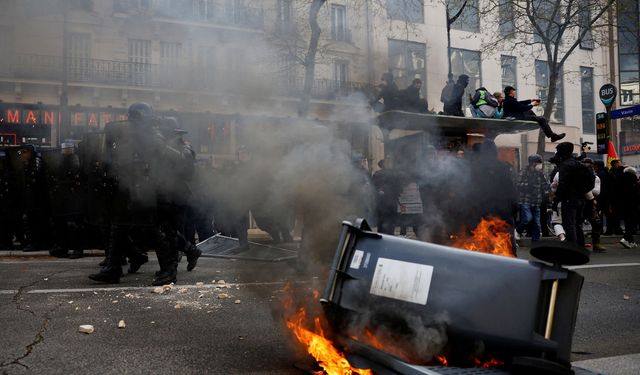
{"x": 626, "y": 297}
{"x": 199, "y": 283}
{"x": 182, "y": 290}
{"x": 220, "y": 282}
{"x": 121, "y": 324}
{"x": 158, "y": 290}
{"x": 167, "y": 287}
{"x": 223, "y": 296}
{"x": 86, "y": 328}
{"x": 177, "y": 306}
{"x": 237, "y": 302}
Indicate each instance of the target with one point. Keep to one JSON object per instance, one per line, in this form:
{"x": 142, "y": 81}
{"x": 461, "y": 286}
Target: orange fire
{"x": 491, "y": 236}
{"x": 486, "y": 364}
{"x": 330, "y": 359}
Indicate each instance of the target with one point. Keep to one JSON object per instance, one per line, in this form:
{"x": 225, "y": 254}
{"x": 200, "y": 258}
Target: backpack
{"x": 585, "y": 180}
{"x": 447, "y": 92}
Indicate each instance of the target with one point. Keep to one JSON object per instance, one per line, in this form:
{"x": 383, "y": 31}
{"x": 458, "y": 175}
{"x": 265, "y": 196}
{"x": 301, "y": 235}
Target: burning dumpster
{"x": 399, "y": 303}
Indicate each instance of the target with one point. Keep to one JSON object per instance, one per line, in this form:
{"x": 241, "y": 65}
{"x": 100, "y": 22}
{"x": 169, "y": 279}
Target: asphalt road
{"x": 190, "y": 330}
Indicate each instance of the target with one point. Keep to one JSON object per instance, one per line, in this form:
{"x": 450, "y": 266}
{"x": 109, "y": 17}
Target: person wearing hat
{"x": 521, "y": 110}
{"x": 532, "y": 188}
{"x": 570, "y": 192}
{"x": 453, "y": 103}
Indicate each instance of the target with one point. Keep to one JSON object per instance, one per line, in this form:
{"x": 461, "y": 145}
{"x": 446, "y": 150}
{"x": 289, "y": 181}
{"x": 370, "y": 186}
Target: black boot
{"x": 76, "y": 254}
{"x": 556, "y": 137}
{"x": 108, "y": 277}
{"x": 111, "y": 272}
{"x": 193, "y": 253}
{"x": 136, "y": 261}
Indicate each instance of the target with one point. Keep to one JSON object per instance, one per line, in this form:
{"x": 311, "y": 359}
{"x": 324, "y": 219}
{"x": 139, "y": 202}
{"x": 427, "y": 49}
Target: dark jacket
{"x": 517, "y": 109}
{"x": 411, "y": 100}
{"x": 453, "y": 106}
{"x": 630, "y": 190}
{"x": 567, "y": 181}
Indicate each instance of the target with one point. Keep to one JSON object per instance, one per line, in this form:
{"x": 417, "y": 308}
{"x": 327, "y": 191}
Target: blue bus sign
{"x": 608, "y": 94}
{"x": 626, "y": 112}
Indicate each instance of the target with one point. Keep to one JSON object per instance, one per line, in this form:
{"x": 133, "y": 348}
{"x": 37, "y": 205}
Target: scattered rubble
{"x": 86, "y": 328}
{"x": 177, "y": 306}
{"x": 121, "y": 324}
{"x": 199, "y": 283}
{"x": 237, "y": 302}
{"x": 220, "y": 282}
{"x": 223, "y": 296}
{"x": 626, "y": 297}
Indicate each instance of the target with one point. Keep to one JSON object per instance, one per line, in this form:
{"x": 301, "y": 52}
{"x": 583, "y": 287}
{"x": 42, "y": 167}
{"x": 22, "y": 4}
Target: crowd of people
{"x": 483, "y": 104}
{"x": 134, "y": 187}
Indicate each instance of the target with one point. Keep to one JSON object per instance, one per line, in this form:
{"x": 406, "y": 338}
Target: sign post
{"x": 608, "y": 94}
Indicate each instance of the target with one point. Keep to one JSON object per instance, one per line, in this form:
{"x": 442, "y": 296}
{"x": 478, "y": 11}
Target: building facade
{"x": 214, "y": 63}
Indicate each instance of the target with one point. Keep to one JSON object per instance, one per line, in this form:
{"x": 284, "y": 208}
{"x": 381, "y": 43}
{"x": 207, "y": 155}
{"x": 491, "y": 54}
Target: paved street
{"x": 190, "y": 330}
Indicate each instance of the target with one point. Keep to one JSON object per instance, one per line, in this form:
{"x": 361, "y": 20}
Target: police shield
{"x": 65, "y": 183}
{"x": 99, "y": 185}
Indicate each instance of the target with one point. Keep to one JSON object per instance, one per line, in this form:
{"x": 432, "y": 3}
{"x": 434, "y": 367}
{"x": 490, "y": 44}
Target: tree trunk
{"x": 548, "y": 106}
{"x": 310, "y": 58}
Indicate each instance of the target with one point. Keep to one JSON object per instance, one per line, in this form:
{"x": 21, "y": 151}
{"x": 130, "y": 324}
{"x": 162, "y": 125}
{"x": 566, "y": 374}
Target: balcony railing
{"x": 127, "y": 74}
{"x": 209, "y": 12}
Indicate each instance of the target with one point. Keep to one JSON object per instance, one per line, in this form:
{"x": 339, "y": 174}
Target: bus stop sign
{"x": 608, "y": 94}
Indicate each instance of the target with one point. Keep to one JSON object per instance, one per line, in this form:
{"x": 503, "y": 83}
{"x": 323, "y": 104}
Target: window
{"x": 204, "y": 10}
{"x": 126, "y": 5}
{"x": 542, "y": 86}
{"x": 339, "y": 30}
{"x": 509, "y": 71}
{"x": 140, "y": 59}
{"x": 507, "y": 22}
{"x": 629, "y": 51}
{"x": 588, "y": 108}
{"x": 206, "y": 61}
{"x": 543, "y": 10}
{"x": 466, "y": 62}
{"x": 341, "y": 74}
{"x": 584, "y": 19}
{"x": 407, "y": 61}
{"x": 78, "y": 55}
{"x": 284, "y": 17}
{"x": 469, "y": 19}
{"x": 170, "y": 53}
{"x": 6, "y": 46}
{"x": 406, "y": 10}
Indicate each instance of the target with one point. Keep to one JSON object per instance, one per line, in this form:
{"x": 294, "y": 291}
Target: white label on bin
{"x": 400, "y": 280}
{"x": 357, "y": 259}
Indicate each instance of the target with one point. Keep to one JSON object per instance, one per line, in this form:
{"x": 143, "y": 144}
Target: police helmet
{"x": 141, "y": 110}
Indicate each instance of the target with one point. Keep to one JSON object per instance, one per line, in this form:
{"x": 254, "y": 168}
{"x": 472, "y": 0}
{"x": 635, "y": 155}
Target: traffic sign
{"x": 626, "y": 112}
{"x": 608, "y": 94}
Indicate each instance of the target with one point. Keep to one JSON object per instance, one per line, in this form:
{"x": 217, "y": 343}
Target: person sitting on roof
{"x": 411, "y": 100}
{"x": 521, "y": 110}
{"x": 389, "y": 93}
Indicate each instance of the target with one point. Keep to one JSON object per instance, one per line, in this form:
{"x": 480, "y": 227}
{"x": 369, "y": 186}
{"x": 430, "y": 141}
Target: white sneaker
{"x": 633, "y": 245}
{"x": 628, "y": 244}
{"x": 517, "y": 235}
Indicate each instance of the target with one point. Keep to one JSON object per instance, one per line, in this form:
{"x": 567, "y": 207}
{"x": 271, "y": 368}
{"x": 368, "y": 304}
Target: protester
{"x": 389, "y": 93}
{"x": 630, "y": 190}
{"x": 483, "y": 104}
{"x": 532, "y": 187}
{"x": 411, "y": 100}
{"x": 591, "y": 209}
{"x": 572, "y": 187}
{"x": 617, "y": 201}
{"x": 522, "y": 110}
{"x": 453, "y": 98}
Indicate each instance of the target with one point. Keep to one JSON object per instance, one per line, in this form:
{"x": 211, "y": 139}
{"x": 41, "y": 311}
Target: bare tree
{"x": 555, "y": 28}
{"x": 310, "y": 57}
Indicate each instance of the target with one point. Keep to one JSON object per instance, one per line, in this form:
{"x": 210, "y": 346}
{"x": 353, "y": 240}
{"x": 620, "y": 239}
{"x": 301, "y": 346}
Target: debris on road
{"x": 237, "y": 302}
{"x": 158, "y": 290}
{"x": 220, "y": 282}
{"x": 87, "y": 328}
{"x": 626, "y": 297}
{"x": 177, "y": 306}
{"x": 121, "y": 324}
{"x": 223, "y": 296}
{"x": 199, "y": 283}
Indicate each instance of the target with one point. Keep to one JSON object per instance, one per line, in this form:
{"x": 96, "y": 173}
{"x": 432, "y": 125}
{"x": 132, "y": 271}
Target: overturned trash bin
{"x": 412, "y": 291}
{"x": 219, "y": 246}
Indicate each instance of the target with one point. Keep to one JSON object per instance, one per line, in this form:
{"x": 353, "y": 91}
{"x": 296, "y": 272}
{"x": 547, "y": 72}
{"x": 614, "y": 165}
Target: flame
{"x": 330, "y": 359}
{"x": 492, "y": 235}
{"x": 486, "y": 364}
{"x": 443, "y": 360}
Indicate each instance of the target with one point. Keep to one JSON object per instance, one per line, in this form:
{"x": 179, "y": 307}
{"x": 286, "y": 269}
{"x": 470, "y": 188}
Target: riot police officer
{"x": 7, "y": 199}
{"x": 66, "y": 187}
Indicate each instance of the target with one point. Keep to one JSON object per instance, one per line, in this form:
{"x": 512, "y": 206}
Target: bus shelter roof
{"x": 430, "y": 122}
